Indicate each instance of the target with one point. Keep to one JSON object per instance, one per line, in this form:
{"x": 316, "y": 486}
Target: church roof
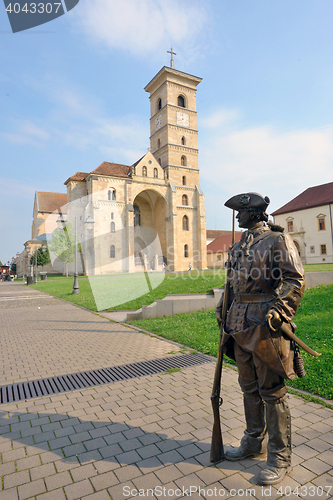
{"x": 79, "y": 176}
{"x": 315, "y": 196}
{"x": 105, "y": 168}
{"x": 172, "y": 71}
{"x": 50, "y": 202}
{"x": 112, "y": 170}
{"x": 137, "y": 162}
{"x": 223, "y": 242}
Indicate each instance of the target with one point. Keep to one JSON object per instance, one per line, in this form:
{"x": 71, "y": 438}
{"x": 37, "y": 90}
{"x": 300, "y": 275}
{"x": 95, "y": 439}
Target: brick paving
{"x": 147, "y": 437}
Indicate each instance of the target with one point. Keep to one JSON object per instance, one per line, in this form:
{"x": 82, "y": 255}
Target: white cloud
{"x": 277, "y": 164}
{"x": 22, "y": 190}
{"x": 219, "y": 118}
{"x": 77, "y": 119}
{"x": 28, "y": 133}
{"x": 141, "y": 27}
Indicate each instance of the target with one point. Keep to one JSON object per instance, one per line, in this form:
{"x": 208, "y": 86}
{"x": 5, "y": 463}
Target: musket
{"x": 216, "y": 450}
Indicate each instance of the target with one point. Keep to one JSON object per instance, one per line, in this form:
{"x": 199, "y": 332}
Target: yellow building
{"x": 151, "y": 212}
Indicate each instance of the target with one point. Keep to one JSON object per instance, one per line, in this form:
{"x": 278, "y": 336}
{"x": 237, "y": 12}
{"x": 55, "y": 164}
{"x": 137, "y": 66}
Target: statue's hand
{"x": 273, "y": 319}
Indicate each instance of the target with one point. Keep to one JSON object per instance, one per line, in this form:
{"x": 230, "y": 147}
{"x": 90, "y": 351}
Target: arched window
{"x": 111, "y": 194}
{"x": 183, "y": 161}
{"x": 155, "y": 173}
{"x": 113, "y": 227}
{"x": 112, "y": 215}
{"x": 181, "y": 101}
{"x": 184, "y": 180}
{"x": 144, "y": 171}
{"x": 158, "y": 143}
{"x": 186, "y": 251}
{"x": 159, "y": 104}
{"x": 184, "y": 199}
{"x": 137, "y": 216}
{"x": 112, "y": 252}
{"x": 183, "y": 141}
{"x": 185, "y": 223}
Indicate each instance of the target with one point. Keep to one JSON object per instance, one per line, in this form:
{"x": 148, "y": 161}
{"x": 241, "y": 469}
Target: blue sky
{"x": 71, "y": 97}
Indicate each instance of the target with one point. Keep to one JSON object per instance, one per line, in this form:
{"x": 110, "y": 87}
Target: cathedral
{"x": 149, "y": 215}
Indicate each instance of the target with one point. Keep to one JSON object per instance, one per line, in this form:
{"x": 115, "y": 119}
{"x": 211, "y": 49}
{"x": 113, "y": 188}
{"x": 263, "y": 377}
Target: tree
{"x": 43, "y": 258}
{"x": 63, "y": 244}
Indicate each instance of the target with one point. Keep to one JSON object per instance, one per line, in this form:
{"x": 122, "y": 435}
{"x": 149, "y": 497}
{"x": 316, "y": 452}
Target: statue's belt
{"x": 249, "y": 298}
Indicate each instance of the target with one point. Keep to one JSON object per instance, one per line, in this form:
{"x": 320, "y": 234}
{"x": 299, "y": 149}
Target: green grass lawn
{"x": 62, "y": 287}
{"x": 310, "y": 268}
{"x": 315, "y": 327}
{"x": 113, "y": 292}
{"x": 173, "y": 283}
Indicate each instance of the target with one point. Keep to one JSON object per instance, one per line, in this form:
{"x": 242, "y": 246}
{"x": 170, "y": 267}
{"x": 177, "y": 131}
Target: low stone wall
{"x": 186, "y": 303}
{"x": 177, "y": 304}
{"x": 318, "y": 278}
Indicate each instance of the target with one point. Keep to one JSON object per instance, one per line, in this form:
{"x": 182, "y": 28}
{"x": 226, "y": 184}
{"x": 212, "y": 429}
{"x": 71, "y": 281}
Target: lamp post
{"x": 89, "y": 224}
{"x": 61, "y": 224}
{"x": 29, "y": 278}
{"x": 76, "y": 288}
{"x": 22, "y": 265}
{"x": 36, "y": 265}
{"x": 17, "y": 261}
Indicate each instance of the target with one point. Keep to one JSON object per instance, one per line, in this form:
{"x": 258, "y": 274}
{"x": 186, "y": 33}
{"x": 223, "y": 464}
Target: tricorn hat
{"x": 247, "y": 201}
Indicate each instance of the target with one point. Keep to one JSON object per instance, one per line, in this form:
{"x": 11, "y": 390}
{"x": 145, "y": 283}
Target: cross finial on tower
{"x": 172, "y": 54}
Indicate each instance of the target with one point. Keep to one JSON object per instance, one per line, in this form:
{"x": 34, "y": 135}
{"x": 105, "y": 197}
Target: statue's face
{"x": 244, "y": 219}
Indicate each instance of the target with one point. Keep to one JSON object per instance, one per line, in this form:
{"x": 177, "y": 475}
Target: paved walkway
{"x": 147, "y": 437}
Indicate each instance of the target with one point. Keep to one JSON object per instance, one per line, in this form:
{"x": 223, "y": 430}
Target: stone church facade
{"x": 151, "y": 212}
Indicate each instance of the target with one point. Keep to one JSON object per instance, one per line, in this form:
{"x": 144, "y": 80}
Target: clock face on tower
{"x": 158, "y": 122}
{"x": 183, "y": 119}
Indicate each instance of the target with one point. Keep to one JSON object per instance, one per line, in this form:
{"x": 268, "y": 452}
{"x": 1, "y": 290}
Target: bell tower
{"x": 173, "y": 124}
{"x": 174, "y": 144}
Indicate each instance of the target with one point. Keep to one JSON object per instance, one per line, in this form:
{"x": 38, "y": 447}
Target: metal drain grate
{"x": 80, "y": 380}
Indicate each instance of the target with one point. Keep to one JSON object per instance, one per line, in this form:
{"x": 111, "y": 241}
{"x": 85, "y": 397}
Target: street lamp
{"x": 29, "y": 278}
{"x": 76, "y": 288}
{"x": 89, "y": 224}
{"x": 17, "y": 261}
{"x": 22, "y": 265}
{"x": 61, "y": 222}
{"x": 36, "y": 265}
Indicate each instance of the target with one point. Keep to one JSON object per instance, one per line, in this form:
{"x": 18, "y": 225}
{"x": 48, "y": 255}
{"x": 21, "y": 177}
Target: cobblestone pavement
{"x": 147, "y": 437}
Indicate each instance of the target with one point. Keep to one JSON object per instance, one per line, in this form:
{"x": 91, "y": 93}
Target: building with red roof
{"x": 308, "y": 220}
{"x": 217, "y": 250}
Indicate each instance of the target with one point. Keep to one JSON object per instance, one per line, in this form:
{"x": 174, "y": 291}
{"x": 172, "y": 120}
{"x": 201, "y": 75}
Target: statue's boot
{"x": 279, "y": 442}
{"x": 253, "y": 442}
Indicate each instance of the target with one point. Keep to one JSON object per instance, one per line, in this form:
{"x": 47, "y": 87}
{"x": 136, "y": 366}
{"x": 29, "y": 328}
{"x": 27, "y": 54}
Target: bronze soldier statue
{"x": 266, "y": 287}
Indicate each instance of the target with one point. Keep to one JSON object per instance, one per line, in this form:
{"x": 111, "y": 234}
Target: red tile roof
{"x": 223, "y": 242}
{"x": 214, "y": 233}
{"x": 79, "y": 176}
{"x": 112, "y": 170}
{"x": 50, "y": 202}
{"x": 312, "y": 197}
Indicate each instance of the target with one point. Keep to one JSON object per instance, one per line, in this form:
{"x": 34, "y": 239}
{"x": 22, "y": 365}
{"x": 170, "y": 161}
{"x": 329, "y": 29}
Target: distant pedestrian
{"x": 190, "y": 267}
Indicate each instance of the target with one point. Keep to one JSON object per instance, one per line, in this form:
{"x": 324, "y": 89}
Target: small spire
{"x": 172, "y": 54}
